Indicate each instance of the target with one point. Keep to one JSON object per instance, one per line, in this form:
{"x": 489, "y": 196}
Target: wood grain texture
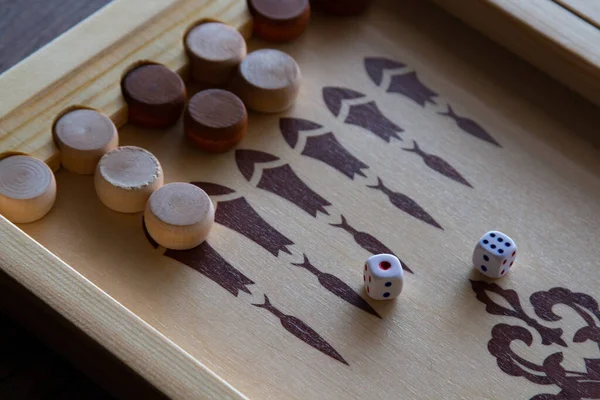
{"x": 215, "y": 51}
{"x": 268, "y": 81}
{"x": 27, "y": 25}
{"x": 215, "y": 120}
{"x": 279, "y": 20}
{"x": 122, "y": 333}
{"x": 83, "y": 137}
{"x": 25, "y": 360}
{"x": 418, "y": 138}
{"x": 541, "y": 32}
{"x": 179, "y": 216}
{"x": 27, "y": 188}
{"x": 126, "y": 177}
{"x": 369, "y": 157}
{"x": 586, "y": 10}
{"x": 140, "y": 30}
{"x": 155, "y": 96}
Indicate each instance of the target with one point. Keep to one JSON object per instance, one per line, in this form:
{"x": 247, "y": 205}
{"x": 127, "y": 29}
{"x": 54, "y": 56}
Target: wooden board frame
{"x": 105, "y": 320}
{"x": 586, "y": 10}
{"x": 51, "y": 81}
{"x": 544, "y": 33}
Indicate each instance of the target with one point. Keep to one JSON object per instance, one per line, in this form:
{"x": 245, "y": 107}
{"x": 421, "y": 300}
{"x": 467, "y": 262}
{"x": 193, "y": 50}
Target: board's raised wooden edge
{"x": 26, "y": 79}
{"x": 71, "y": 343}
{"x": 584, "y": 9}
{"x": 543, "y": 33}
{"x": 105, "y": 320}
{"x": 84, "y": 66}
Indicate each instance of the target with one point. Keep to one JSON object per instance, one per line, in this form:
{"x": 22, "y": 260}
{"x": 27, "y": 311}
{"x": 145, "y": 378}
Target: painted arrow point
{"x": 334, "y": 96}
{"x": 291, "y": 126}
{"x": 376, "y": 65}
{"x": 246, "y": 159}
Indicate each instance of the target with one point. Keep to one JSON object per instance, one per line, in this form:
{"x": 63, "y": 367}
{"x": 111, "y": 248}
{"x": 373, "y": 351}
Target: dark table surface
{"x": 29, "y": 369}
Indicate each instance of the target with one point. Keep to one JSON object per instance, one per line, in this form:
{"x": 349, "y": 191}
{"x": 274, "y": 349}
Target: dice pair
{"x": 383, "y": 277}
{"x": 494, "y": 254}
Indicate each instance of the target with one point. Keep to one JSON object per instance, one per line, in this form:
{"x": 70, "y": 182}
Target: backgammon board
{"x": 412, "y": 135}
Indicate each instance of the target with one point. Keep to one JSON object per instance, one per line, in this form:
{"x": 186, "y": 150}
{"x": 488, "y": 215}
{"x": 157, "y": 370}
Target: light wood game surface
{"x": 373, "y": 86}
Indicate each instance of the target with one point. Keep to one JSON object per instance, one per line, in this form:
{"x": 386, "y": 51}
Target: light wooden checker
{"x": 527, "y": 171}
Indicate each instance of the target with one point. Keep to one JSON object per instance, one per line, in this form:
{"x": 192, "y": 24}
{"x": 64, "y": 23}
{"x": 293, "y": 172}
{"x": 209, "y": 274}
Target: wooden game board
{"x": 412, "y": 134}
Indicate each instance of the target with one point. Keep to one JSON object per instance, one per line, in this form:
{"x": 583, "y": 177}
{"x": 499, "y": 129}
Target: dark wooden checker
{"x": 412, "y": 135}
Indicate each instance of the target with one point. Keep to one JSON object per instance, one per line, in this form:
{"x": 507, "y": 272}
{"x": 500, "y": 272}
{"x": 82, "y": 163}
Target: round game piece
{"x": 27, "y": 189}
{"x": 343, "y": 7}
{"x": 155, "y": 95}
{"x": 279, "y": 20}
{"x": 126, "y": 177}
{"x": 179, "y": 216}
{"x": 215, "y": 120}
{"x": 83, "y": 137}
{"x": 215, "y": 51}
{"x": 268, "y": 81}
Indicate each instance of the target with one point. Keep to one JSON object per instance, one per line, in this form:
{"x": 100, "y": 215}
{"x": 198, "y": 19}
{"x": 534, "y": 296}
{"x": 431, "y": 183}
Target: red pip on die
{"x": 383, "y": 277}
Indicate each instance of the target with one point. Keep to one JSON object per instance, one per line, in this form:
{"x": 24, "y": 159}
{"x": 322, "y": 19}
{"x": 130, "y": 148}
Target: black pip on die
{"x": 494, "y": 254}
{"x": 383, "y": 276}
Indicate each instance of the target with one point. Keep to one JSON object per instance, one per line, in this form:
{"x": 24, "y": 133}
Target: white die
{"x": 383, "y": 276}
{"x": 494, "y": 254}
